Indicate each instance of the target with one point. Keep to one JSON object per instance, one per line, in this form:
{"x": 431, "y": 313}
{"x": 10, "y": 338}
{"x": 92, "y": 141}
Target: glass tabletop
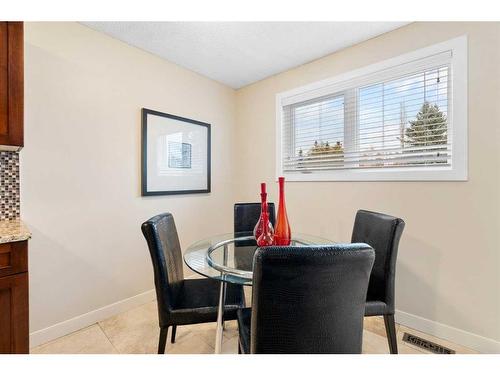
{"x": 229, "y": 257}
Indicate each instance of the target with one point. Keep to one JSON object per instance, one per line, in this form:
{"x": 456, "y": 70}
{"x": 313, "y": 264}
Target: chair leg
{"x": 239, "y": 348}
{"x": 163, "y": 340}
{"x": 390, "y": 329}
{"x": 174, "y": 330}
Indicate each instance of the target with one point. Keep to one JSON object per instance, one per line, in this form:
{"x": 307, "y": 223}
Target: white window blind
{"x": 395, "y": 119}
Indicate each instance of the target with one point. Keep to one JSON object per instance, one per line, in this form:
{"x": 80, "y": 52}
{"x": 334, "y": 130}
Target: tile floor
{"x": 136, "y": 331}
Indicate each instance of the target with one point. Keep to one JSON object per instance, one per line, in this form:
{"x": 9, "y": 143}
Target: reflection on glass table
{"x": 229, "y": 257}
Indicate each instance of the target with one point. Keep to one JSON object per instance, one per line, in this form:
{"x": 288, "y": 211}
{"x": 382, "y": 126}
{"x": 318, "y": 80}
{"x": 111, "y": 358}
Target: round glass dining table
{"x": 229, "y": 259}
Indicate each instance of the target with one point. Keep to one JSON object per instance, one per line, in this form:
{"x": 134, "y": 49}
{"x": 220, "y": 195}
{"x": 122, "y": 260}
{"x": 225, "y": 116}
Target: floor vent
{"x": 425, "y": 344}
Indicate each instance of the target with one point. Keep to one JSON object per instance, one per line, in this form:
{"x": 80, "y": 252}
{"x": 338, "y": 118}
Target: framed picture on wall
{"x": 175, "y": 154}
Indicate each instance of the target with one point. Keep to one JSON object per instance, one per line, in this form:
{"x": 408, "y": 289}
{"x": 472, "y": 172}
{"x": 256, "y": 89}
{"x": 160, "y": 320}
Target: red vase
{"x": 282, "y": 233}
{"x": 257, "y": 231}
{"x": 266, "y": 238}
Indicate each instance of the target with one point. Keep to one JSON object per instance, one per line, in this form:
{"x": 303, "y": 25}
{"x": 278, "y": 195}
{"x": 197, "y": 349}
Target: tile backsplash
{"x": 10, "y": 207}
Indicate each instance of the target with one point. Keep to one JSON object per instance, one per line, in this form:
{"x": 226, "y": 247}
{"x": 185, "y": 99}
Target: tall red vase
{"x": 282, "y": 233}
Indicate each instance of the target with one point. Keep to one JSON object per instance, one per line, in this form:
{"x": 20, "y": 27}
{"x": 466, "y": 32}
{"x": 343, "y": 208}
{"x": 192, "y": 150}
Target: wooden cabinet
{"x": 11, "y": 85}
{"x": 14, "y": 303}
{"x": 14, "y": 317}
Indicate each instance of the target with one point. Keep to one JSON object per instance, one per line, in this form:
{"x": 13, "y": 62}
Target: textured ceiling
{"x": 240, "y": 53}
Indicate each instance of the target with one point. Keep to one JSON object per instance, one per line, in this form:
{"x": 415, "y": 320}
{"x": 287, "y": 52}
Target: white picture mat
{"x": 163, "y": 132}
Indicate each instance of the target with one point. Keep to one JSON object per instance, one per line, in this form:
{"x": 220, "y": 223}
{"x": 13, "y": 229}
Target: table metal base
{"x": 220, "y": 318}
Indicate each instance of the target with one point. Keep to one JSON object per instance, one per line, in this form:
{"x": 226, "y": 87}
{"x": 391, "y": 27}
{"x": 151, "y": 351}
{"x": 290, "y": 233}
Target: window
{"x": 402, "y": 119}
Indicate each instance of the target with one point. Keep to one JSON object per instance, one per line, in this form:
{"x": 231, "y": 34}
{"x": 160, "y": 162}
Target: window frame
{"x": 400, "y": 65}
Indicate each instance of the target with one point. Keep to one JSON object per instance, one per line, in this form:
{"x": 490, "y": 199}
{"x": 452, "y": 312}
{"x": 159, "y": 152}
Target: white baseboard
{"x": 78, "y": 322}
{"x": 456, "y": 335}
{"x": 446, "y": 332}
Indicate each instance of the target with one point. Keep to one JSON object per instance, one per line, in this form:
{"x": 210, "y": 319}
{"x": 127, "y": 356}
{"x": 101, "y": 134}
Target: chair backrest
{"x": 382, "y": 232}
{"x": 246, "y": 216}
{"x": 309, "y": 299}
{"x": 163, "y": 242}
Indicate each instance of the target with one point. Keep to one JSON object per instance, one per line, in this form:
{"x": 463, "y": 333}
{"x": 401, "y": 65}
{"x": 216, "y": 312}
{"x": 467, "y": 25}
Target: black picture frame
{"x": 144, "y": 148}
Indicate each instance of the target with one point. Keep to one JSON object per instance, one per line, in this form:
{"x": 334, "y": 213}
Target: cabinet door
{"x": 11, "y": 84}
{"x": 14, "y": 324}
{"x": 13, "y": 258}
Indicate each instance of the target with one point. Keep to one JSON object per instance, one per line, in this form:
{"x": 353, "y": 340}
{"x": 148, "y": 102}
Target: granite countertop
{"x": 13, "y": 231}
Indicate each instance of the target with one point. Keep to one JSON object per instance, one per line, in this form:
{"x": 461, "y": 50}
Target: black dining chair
{"x": 182, "y": 301}
{"x": 307, "y": 300}
{"x": 382, "y": 232}
{"x": 246, "y": 216}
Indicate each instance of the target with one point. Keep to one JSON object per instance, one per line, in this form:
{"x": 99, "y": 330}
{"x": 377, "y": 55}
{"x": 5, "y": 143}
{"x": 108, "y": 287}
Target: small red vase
{"x": 266, "y": 238}
{"x": 257, "y": 231}
{"x": 282, "y": 233}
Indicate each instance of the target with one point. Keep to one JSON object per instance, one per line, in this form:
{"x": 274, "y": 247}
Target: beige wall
{"x": 449, "y": 261}
{"x": 81, "y": 166}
